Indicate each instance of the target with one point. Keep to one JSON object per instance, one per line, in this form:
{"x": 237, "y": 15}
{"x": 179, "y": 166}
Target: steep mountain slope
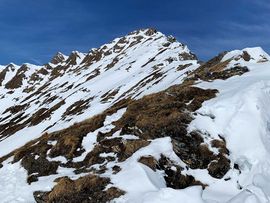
{"x": 70, "y": 89}
{"x": 137, "y": 120}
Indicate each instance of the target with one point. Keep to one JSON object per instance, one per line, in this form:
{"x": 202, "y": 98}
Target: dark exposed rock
{"x": 116, "y": 169}
{"x": 93, "y": 74}
{"x": 3, "y": 75}
{"x": 32, "y": 178}
{"x": 58, "y": 58}
{"x": 246, "y": 56}
{"x": 39, "y": 167}
{"x": 41, "y": 197}
{"x": 191, "y": 150}
{"x": 77, "y": 108}
{"x": 150, "y": 31}
{"x": 15, "y": 109}
{"x": 218, "y": 168}
{"x": 187, "y": 56}
{"x": 216, "y": 69}
{"x": 17, "y": 80}
{"x": 173, "y": 177}
{"x": 114, "y": 61}
{"x": 182, "y": 67}
{"x": 72, "y": 59}
{"x": 109, "y": 95}
{"x": 237, "y": 70}
{"x": 169, "y": 110}
{"x": 93, "y": 56}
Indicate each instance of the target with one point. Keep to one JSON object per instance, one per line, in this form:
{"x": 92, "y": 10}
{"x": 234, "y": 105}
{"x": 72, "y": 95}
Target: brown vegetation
{"x": 87, "y": 189}
{"x": 149, "y": 161}
{"x": 15, "y": 109}
{"x": 173, "y": 176}
{"x": 78, "y": 107}
{"x": 215, "y": 69}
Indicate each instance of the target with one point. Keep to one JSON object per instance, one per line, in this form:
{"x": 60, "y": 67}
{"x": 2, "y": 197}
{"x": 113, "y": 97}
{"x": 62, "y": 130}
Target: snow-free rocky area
{"x": 36, "y": 100}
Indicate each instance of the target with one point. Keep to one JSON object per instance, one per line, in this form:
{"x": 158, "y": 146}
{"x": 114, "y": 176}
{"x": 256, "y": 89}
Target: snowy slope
{"x": 241, "y": 115}
{"x": 157, "y": 148}
{"x": 71, "y": 89}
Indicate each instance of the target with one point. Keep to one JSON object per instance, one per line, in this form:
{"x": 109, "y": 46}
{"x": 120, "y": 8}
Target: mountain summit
{"x": 136, "y": 120}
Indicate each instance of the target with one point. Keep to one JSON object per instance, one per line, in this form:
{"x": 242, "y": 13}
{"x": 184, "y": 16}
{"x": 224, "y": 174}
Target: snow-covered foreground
{"x": 140, "y": 182}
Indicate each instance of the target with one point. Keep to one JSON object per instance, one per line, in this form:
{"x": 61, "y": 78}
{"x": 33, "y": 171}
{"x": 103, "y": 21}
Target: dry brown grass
{"x": 215, "y": 69}
{"x": 88, "y": 189}
{"x": 77, "y": 108}
{"x": 68, "y": 141}
{"x": 163, "y": 114}
{"x": 221, "y": 145}
{"x": 149, "y": 161}
{"x": 168, "y": 109}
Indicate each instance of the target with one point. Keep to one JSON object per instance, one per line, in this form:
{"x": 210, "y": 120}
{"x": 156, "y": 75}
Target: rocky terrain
{"x": 139, "y": 119}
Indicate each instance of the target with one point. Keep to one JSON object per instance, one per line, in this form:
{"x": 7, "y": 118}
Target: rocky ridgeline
{"x": 65, "y": 90}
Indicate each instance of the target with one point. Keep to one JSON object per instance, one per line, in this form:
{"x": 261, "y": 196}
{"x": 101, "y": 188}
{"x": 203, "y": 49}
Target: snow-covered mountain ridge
{"x": 136, "y": 120}
{"x": 73, "y": 88}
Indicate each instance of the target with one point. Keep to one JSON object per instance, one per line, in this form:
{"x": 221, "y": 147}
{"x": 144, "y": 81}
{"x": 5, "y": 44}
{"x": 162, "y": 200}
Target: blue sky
{"x": 34, "y": 30}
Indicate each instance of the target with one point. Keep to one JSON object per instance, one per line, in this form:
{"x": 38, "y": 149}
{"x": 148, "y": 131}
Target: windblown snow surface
{"x": 240, "y": 113}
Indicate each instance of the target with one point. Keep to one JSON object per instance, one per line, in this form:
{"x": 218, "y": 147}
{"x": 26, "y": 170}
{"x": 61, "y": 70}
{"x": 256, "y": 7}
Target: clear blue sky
{"x": 33, "y": 30}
